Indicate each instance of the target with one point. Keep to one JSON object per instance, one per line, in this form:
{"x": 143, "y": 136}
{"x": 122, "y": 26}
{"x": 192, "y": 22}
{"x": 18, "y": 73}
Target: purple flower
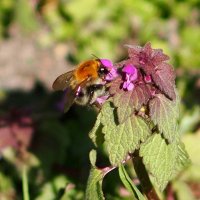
{"x": 102, "y": 99}
{"x": 106, "y": 62}
{"x": 112, "y": 70}
{"x": 130, "y": 76}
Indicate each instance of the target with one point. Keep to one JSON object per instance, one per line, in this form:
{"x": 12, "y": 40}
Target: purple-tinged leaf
{"x": 164, "y": 113}
{"x": 164, "y": 78}
{"x": 134, "y": 53}
{"x": 152, "y": 62}
{"x": 158, "y": 57}
{"x": 129, "y": 101}
{"x": 144, "y": 56}
{"x": 115, "y": 87}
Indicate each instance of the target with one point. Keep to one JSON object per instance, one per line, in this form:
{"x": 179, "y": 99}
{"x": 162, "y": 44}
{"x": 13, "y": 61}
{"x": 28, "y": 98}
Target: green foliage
{"x": 6, "y": 16}
{"x": 97, "y": 27}
{"x": 165, "y": 117}
{"x": 96, "y": 133}
{"x": 94, "y": 186}
{"x": 93, "y": 157}
{"x": 142, "y": 120}
{"x": 183, "y": 191}
{"x": 125, "y": 138}
{"x": 159, "y": 158}
{"x": 26, "y": 19}
{"x": 129, "y": 183}
{"x": 173, "y": 26}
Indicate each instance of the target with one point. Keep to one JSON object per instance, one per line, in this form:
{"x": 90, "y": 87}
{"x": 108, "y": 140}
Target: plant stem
{"x": 25, "y": 183}
{"x": 143, "y": 176}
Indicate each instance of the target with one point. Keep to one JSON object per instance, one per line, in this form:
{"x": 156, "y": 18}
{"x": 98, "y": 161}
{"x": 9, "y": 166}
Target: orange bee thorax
{"x": 87, "y": 69}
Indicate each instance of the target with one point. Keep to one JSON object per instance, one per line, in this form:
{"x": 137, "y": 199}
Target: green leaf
{"x": 182, "y": 160}
{"x": 159, "y": 158}
{"x": 125, "y": 138}
{"x": 108, "y": 118}
{"x": 94, "y": 185}
{"x": 73, "y": 9}
{"x": 128, "y": 183}
{"x": 105, "y": 120}
{"x": 96, "y": 134}
{"x": 93, "y": 157}
{"x": 183, "y": 191}
{"x": 164, "y": 113}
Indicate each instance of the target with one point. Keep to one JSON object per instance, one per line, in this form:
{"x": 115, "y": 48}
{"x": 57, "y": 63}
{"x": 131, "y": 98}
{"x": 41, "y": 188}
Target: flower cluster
{"x": 112, "y": 74}
{"x": 131, "y": 75}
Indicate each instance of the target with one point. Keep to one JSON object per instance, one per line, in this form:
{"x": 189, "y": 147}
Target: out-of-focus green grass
{"x": 59, "y": 146}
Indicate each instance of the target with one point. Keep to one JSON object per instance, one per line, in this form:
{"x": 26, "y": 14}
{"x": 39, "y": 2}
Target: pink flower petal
{"x": 134, "y": 76}
{"x": 102, "y": 99}
{"x": 129, "y": 69}
{"x": 112, "y": 74}
{"x": 130, "y": 87}
{"x": 106, "y": 62}
{"x": 125, "y": 85}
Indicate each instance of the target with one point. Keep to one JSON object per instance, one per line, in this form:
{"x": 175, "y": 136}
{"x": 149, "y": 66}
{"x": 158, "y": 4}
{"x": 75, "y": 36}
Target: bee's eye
{"x": 103, "y": 71}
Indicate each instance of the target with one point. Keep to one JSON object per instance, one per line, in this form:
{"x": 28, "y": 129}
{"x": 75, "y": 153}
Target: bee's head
{"x": 106, "y": 70}
{"x": 102, "y": 71}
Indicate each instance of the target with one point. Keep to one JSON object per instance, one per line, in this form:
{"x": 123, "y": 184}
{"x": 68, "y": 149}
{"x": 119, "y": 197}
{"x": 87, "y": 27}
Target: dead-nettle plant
{"x": 138, "y": 121}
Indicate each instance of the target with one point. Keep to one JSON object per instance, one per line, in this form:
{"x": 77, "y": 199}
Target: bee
{"x": 84, "y": 84}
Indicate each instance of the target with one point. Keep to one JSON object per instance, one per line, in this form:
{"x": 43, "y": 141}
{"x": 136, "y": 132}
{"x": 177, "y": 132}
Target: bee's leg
{"x": 97, "y": 105}
{"x": 95, "y": 91}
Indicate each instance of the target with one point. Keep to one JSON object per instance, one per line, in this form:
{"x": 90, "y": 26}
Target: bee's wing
{"x": 71, "y": 94}
{"x": 69, "y": 98}
{"x": 62, "y": 81}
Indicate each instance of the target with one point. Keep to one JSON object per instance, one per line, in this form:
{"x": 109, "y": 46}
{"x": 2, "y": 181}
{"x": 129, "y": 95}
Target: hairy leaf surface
{"x": 182, "y": 160}
{"x": 128, "y": 183}
{"x": 164, "y": 78}
{"x": 96, "y": 134}
{"x": 159, "y": 158}
{"x": 125, "y": 138}
{"x": 129, "y": 101}
{"x": 164, "y": 113}
{"x": 94, "y": 185}
{"x": 93, "y": 157}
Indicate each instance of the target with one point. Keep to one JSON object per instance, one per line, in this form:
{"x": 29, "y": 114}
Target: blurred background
{"x": 41, "y": 39}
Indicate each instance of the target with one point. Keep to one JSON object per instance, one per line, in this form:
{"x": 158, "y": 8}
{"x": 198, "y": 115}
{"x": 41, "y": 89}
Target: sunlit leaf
{"x": 164, "y": 113}
{"x": 94, "y": 185}
{"x": 93, "y": 157}
{"x": 183, "y": 191}
{"x": 96, "y": 133}
{"x": 182, "y": 160}
{"x": 128, "y": 183}
{"x": 123, "y": 138}
{"x": 159, "y": 158}
{"x": 164, "y": 78}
